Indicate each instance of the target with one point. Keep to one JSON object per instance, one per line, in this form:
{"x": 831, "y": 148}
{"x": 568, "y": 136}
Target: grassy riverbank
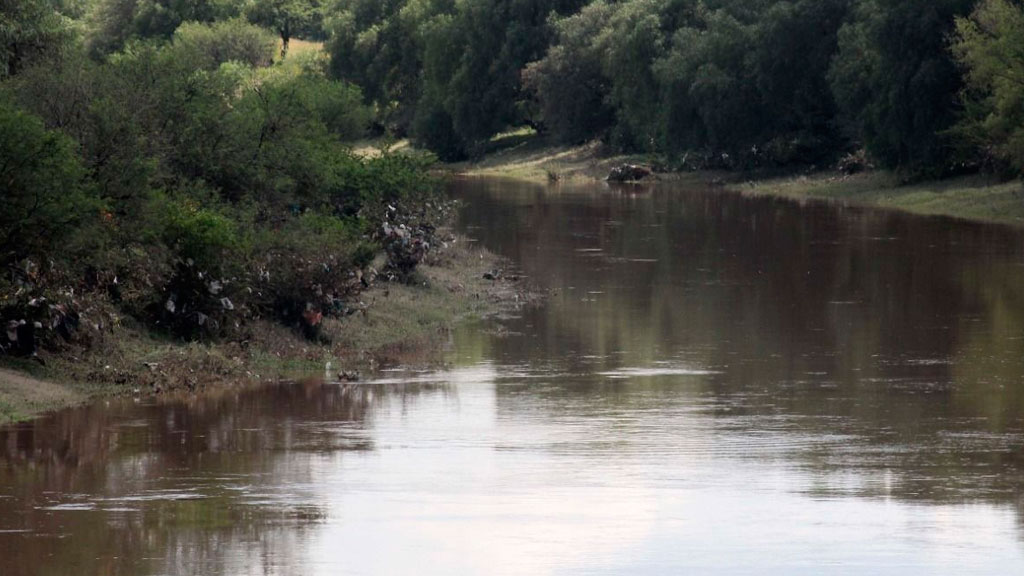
{"x": 400, "y": 324}
{"x": 522, "y": 156}
{"x": 969, "y": 197}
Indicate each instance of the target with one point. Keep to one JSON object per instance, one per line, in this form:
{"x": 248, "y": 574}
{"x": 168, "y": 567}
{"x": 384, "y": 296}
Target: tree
{"x": 988, "y": 46}
{"x": 569, "y": 83}
{"x": 895, "y": 81}
{"x": 710, "y": 98}
{"x": 112, "y": 23}
{"x": 795, "y": 43}
{"x": 42, "y": 183}
{"x": 472, "y": 55}
{"x": 379, "y": 46}
{"x": 634, "y": 40}
{"x": 28, "y": 29}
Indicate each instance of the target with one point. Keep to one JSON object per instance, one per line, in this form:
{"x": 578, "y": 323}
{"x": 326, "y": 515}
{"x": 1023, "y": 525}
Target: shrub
{"x": 306, "y": 269}
{"x": 207, "y": 46}
{"x": 208, "y": 255}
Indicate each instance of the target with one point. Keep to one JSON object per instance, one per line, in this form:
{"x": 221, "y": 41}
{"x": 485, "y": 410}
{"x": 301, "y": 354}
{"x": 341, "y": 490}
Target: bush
{"x": 207, "y": 46}
{"x": 201, "y": 235}
{"x": 338, "y": 105}
{"x": 208, "y": 255}
{"x": 51, "y": 225}
{"x": 306, "y": 269}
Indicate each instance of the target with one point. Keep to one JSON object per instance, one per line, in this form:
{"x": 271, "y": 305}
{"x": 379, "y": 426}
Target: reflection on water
{"x": 717, "y": 384}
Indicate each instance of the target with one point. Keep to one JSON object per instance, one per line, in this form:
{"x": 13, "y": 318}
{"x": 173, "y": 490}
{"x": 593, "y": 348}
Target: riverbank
{"x": 520, "y": 156}
{"x": 397, "y": 324}
{"x": 978, "y": 198}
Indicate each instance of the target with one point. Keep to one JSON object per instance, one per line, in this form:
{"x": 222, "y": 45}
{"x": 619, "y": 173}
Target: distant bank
{"x": 981, "y": 198}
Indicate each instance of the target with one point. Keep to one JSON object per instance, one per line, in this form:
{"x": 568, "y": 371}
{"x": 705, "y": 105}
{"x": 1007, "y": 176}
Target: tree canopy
{"x": 732, "y": 82}
{"x": 989, "y": 48}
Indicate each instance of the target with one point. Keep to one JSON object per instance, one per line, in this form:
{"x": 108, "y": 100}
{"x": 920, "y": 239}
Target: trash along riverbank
{"x": 394, "y": 322}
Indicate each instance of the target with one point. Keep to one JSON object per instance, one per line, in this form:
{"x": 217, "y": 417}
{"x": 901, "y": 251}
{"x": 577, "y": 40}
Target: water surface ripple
{"x": 717, "y": 384}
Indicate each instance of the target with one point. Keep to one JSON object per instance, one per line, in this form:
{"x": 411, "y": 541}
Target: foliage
{"x": 228, "y": 189}
{"x": 29, "y": 29}
{"x": 569, "y": 83}
{"x": 733, "y": 83}
{"x": 207, "y": 46}
{"x": 304, "y": 270}
{"x": 113, "y": 23}
{"x": 895, "y": 81}
{"x": 47, "y": 204}
{"x": 742, "y": 81}
{"x": 450, "y": 71}
{"x": 379, "y": 47}
{"x": 635, "y": 40}
{"x": 988, "y": 46}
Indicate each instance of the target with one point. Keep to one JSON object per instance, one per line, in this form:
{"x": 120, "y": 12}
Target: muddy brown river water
{"x": 716, "y": 385}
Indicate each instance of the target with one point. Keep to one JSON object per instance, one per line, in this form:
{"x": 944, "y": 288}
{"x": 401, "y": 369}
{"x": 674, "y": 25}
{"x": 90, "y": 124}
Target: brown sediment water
{"x": 715, "y": 385}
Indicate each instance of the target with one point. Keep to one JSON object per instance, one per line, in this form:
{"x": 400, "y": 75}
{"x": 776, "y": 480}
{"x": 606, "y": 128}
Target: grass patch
{"x": 373, "y": 147}
{"x": 525, "y": 155}
{"x": 299, "y": 48}
{"x": 410, "y": 323}
{"x": 969, "y": 197}
{"x": 9, "y": 413}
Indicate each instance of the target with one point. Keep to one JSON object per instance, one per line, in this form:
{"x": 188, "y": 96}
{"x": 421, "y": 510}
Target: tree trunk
{"x": 286, "y": 35}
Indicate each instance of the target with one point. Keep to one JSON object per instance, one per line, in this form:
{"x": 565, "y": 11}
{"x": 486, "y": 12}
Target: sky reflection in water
{"x": 717, "y": 385}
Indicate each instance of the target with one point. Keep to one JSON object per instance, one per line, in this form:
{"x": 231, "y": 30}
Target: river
{"x": 716, "y": 384}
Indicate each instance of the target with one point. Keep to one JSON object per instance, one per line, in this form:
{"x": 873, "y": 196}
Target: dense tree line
{"x": 736, "y": 83}
{"x": 180, "y": 172}
{"x": 448, "y": 72}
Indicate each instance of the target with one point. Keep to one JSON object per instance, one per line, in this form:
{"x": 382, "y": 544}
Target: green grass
{"x": 8, "y": 413}
{"x": 970, "y": 197}
{"x": 299, "y": 49}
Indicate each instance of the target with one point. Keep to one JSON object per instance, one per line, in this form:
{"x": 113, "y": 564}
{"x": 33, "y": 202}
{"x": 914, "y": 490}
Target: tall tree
{"x": 480, "y": 90}
{"x": 379, "y": 46}
{"x": 569, "y": 83}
